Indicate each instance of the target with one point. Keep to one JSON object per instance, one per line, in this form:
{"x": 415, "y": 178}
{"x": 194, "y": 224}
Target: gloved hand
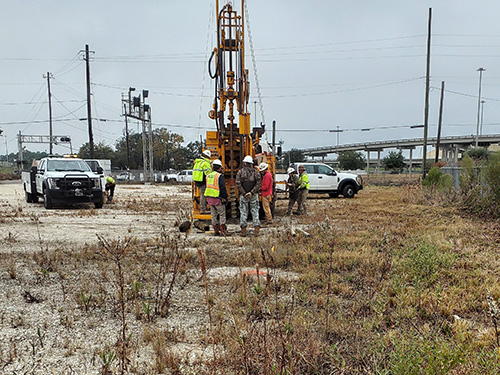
{"x": 223, "y": 200}
{"x": 248, "y": 195}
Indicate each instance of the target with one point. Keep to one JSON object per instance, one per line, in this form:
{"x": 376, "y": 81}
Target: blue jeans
{"x": 253, "y": 202}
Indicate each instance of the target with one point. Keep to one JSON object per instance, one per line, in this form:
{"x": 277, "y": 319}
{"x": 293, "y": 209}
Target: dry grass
{"x": 391, "y": 282}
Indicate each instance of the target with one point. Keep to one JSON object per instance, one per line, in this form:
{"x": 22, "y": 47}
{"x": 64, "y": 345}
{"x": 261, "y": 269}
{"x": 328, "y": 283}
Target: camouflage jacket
{"x": 248, "y": 180}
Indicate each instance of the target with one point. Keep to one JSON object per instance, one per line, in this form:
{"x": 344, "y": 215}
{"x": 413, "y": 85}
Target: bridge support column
{"x": 378, "y": 161}
{"x": 367, "y": 161}
{"x": 455, "y": 154}
{"x": 411, "y": 161}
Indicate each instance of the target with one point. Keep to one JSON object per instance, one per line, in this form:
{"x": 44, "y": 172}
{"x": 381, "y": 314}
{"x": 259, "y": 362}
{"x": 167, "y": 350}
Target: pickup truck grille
{"x": 74, "y": 183}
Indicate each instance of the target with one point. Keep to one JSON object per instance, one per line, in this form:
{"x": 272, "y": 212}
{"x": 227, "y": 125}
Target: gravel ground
{"x": 45, "y": 330}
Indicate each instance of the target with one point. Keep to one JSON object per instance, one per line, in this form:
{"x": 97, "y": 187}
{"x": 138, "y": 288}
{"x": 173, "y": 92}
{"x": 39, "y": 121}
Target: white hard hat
{"x": 248, "y": 159}
{"x": 263, "y": 166}
{"x": 290, "y": 170}
{"x": 207, "y": 153}
{"x": 301, "y": 166}
{"x": 217, "y": 162}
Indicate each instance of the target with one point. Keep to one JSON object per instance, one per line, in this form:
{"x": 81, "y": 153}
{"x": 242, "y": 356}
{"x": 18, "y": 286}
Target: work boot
{"x": 243, "y": 231}
{"x": 256, "y": 230}
{"x": 110, "y": 199}
{"x": 223, "y": 230}
{"x": 216, "y": 230}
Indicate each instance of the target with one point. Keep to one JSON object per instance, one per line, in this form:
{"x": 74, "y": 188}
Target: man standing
{"x": 293, "y": 193}
{"x": 110, "y": 188}
{"x": 248, "y": 182}
{"x": 266, "y": 191}
{"x": 303, "y": 190}
{"x": 216, "y": 195}
{"x": 201, "y": 169}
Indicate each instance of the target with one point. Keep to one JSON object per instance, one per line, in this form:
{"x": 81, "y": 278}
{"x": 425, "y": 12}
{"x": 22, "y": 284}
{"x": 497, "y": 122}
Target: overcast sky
{"x": 322, "y": 65}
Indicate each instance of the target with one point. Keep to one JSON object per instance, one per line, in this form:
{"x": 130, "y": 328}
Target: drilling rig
{"x": 233, "y": 139}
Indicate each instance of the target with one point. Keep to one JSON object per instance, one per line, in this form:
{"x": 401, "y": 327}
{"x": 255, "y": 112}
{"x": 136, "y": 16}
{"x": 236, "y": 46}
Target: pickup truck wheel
{"x": 333, "y": 195}
{"x": 348, "y": 191}
{"x": 47, "y": 202}
{"x": 98, "y": 204}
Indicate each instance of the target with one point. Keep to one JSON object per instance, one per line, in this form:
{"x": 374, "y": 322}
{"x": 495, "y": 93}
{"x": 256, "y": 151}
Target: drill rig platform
{"x": 233, "y": 139}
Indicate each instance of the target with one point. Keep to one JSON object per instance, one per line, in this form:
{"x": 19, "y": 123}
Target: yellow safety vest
{"x": 213, "y": 188}
{"x": 303, "y": 181}
{"x": 109, "y": 180}
{"x": 201, "y": 166}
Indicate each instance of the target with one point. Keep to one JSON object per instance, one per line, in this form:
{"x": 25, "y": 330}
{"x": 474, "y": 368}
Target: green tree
{"x": 101, "y": 151}
{"x": 292, "y": 156}
{"x": 394, "y": 161}
{"x": 167, "y": 150}
{"x": 135, "y": 144}
{"x": 351, "y": 160}
{"x": 479, "y": 154}
{"x": 28, "y": 157}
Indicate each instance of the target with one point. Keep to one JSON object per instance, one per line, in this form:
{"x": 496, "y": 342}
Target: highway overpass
{"x": 451, "y": 147}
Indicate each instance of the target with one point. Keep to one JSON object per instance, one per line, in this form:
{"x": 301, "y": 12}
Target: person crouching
{"x": 110, "y": 188}
{"x": 216, "y": 195}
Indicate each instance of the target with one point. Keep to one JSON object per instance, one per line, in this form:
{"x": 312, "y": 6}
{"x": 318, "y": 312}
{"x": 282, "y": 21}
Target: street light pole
{"x": 480, "y": 70}
{"x": 482, "y": 116}
{"x": 337, "y": 131}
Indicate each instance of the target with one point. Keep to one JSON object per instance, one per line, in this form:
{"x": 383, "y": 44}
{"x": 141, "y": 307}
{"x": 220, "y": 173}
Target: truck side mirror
{"x": 100, "y": 170}
{"x": 279, "y": 151}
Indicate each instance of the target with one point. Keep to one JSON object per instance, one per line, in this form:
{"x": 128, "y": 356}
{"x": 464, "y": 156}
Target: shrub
{"x": 432, "y": 178}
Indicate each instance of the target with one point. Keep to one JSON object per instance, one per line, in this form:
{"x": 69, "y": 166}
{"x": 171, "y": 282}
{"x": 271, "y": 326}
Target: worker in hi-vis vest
{"x": 303, "y": 190}
{"x": 200, "y": 171}
{"x": 216, "y": 195}
{"x": 110, "y": 188}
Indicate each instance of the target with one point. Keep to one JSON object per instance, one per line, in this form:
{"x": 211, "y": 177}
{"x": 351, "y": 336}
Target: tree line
{"x": 168, "y": 151}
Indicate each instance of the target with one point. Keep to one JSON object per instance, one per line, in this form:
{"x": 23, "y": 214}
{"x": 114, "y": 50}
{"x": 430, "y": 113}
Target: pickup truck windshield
{"x": 67, "y": 166}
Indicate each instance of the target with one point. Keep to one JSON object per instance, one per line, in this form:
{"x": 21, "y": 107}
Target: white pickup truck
{"x": 323, "y": 179}
{"x": 62, "y": 180}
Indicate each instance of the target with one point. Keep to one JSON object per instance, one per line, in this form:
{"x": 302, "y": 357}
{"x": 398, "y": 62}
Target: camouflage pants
{"x": 253, "y": 204}
{"x": 291, "y": 201}
{"x": 301, "y": 200}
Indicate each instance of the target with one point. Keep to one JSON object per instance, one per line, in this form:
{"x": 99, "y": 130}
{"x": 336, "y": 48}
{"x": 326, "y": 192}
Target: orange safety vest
{"x": 213, "y": 188}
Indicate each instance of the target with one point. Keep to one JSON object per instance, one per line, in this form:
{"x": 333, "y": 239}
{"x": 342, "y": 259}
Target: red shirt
{"x": 267, "y": 184}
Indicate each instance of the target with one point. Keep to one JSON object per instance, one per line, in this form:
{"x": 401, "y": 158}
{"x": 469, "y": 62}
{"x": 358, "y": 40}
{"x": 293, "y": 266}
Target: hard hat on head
{"x": 248, "y": 159}
{"x": 217, "y": 162}
{"x": 263, "y": 166}
{"x": 290, "y": 170}
{"x": 207, "y": 153}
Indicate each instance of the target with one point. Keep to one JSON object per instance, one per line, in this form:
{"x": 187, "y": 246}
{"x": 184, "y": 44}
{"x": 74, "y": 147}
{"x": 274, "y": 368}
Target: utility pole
{"x": 427, "y": 90}
{"x": 89, "y": 108}
{"x": 439, "y": 122}
{"x": 127, "y": 111}
{"x": 480, "y": 70}
{"x": 48, "y": 76}
{"x": 126, "y": 135}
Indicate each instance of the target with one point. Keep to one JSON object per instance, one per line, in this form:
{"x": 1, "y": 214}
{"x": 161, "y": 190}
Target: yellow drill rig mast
{"x": 233, "y": 139}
